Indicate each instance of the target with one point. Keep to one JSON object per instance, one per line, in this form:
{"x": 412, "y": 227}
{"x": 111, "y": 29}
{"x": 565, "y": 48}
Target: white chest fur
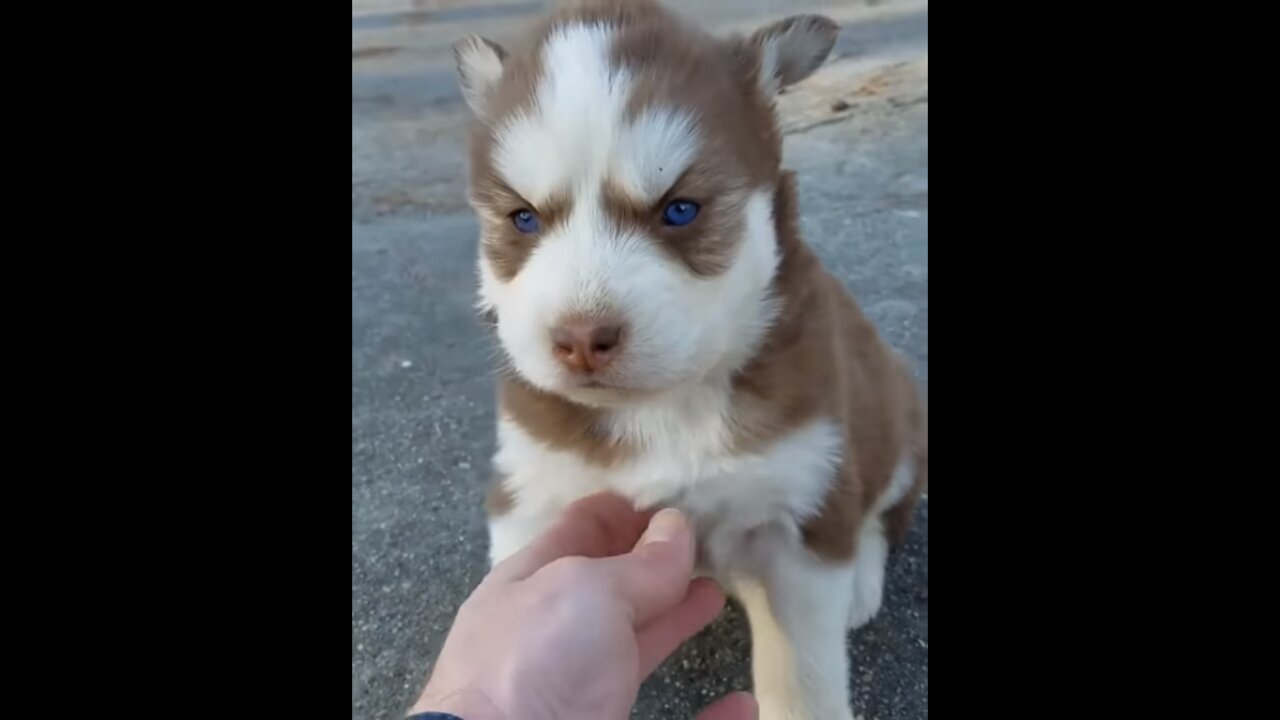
{"x": 684, "y": 460}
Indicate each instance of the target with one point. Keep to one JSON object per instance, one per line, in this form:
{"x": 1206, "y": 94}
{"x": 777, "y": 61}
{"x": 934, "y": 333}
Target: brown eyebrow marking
{"x": 614, "y": 195}
{"x": 491, "y": 190}
{"x": 675, "y": 190}
{"x": 506, "y": 248}
{"x": 706, "y": 247}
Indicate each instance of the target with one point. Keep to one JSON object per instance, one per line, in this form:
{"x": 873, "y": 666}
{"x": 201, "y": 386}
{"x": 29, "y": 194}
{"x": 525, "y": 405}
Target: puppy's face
{"x": 623, "y": 167}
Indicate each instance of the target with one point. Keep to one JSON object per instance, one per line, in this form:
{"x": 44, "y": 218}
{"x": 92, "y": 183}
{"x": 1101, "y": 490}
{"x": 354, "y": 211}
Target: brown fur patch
{"x": 505, "y": 247}
{"x": 823, "y": 358}
{"x": 898, "y": 518}
{"x": 559, "y": 423}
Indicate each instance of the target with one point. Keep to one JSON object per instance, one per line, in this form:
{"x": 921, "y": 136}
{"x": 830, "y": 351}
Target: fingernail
{"x": 667, "y": 525}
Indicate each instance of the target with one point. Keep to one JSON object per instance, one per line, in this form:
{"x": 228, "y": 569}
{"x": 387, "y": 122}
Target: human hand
{"x": 567, "y": 628}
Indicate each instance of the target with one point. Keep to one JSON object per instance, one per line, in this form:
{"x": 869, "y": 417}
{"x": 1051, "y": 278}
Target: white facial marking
{"x": 562, "y": 143}
{"x": 652, "y": 152}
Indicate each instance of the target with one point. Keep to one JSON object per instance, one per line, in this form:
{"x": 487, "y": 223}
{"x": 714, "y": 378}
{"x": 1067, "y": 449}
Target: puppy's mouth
{"x": 596, "y": 386}
{"x": 600, "y": 392}
{"x": 600, "y": 381}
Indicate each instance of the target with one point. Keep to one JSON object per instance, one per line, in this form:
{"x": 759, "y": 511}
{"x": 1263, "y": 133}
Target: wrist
{"x": 465, "y": 704}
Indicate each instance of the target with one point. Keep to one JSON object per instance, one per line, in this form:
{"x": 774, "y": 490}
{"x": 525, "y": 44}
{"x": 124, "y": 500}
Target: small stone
{"x": 840, "y": 106}
{"x": 406, "y": 363}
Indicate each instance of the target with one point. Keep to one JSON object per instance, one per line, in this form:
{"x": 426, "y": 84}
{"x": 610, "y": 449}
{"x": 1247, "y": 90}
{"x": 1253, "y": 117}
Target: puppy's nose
{"x": 585, "y": 346}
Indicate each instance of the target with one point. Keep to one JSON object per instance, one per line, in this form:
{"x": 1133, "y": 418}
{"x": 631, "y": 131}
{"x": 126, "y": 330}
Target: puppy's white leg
{"x": 512, "y": 531}
{"x": 514, "y": 521}
{"x": 868, "y": 573}
{"x": 798, "y": 608}
{"x": 873, "y": 549}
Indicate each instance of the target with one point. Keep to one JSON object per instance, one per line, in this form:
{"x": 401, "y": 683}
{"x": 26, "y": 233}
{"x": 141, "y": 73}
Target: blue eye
{"x": 680, "y": 212}
{"x": 525, "y": 221}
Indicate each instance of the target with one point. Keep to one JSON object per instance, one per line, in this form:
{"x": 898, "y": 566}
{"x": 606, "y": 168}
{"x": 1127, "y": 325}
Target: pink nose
{"x": 585, "y": 346}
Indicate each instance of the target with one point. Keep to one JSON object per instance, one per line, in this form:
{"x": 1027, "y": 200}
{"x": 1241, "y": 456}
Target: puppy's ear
{"x": 791, "y": 49}
{"x": 479, "y": 64}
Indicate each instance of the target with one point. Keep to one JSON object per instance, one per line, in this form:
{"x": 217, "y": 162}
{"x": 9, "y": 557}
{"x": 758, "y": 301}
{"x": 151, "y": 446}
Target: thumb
{"x": 655, "y": 575}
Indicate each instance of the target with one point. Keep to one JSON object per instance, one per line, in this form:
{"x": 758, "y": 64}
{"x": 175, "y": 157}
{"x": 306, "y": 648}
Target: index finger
{"x": 601, "y": 525}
